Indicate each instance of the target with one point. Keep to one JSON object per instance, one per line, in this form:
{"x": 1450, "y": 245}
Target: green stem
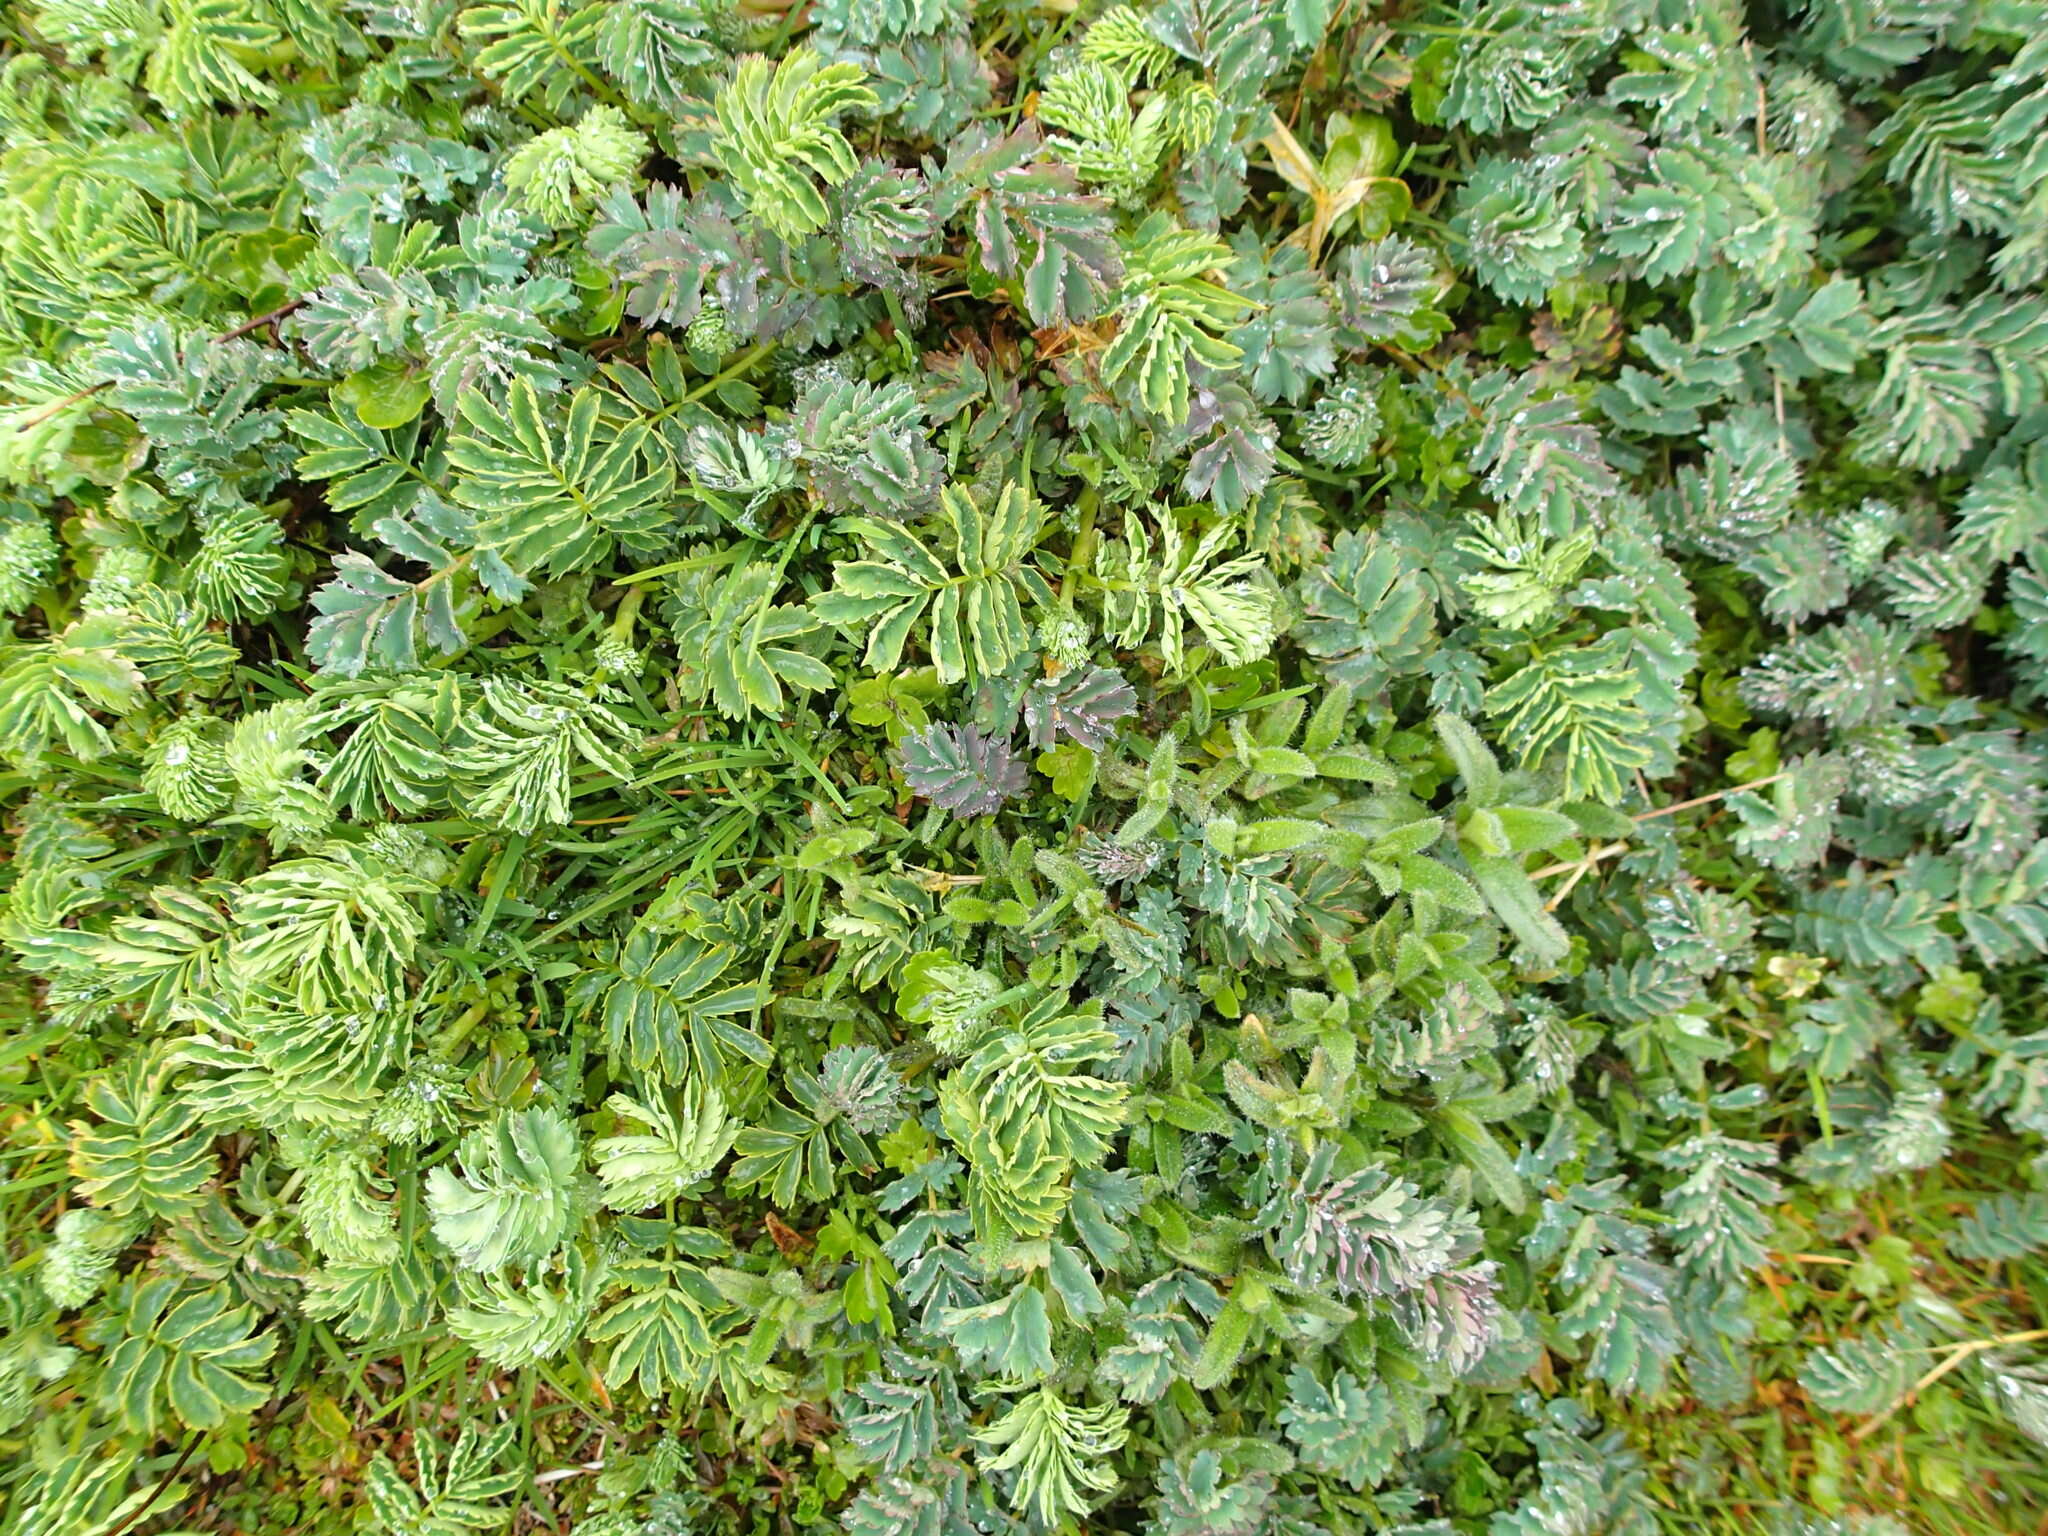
{"x": 451, "y": 1043}
{"x": 741, "y": 364}
{"x": 603, "y": 91}
{"x": 900, "y": 323}
{"x": 628, "y": 610}
{"x": 789, "y": 541}
{"x": 1083, "y": 550}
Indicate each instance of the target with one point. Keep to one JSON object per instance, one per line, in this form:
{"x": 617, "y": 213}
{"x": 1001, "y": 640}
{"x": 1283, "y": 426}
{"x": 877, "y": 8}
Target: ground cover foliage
{"x": 937, "y": 767}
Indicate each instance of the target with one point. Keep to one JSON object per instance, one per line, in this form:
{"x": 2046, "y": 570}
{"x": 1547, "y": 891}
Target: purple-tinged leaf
{"x": 1083, "y": 705}
{"x": 960, "y": 769}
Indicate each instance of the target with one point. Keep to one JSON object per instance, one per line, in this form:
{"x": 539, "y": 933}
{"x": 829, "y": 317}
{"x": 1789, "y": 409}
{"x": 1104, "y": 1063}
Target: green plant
{"x": 954, "y": 766}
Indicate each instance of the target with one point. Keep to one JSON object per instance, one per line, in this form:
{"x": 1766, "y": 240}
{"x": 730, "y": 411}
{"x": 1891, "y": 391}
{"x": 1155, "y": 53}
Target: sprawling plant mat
{"x": 943, "y": 767}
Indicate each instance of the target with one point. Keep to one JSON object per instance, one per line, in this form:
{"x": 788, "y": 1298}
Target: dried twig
{"x": 271, "y": 319}
{"x": 56, "y": 406}
{"x": 244, "y": 329}
{"x": 156, "y": 1493}
{"x": 1957, "y": 1354}
{"x": 1603, "y": 851}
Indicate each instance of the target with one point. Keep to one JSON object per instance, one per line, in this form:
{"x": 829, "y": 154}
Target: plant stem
{"x": 738, "y": 365}
{"x": 1083, "y": 547}
{"x": 1603, "y": 851}
{"x": 1957, "y": 1354}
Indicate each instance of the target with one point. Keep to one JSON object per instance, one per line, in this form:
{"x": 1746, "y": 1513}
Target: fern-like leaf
{"x": 778, "y": 135}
